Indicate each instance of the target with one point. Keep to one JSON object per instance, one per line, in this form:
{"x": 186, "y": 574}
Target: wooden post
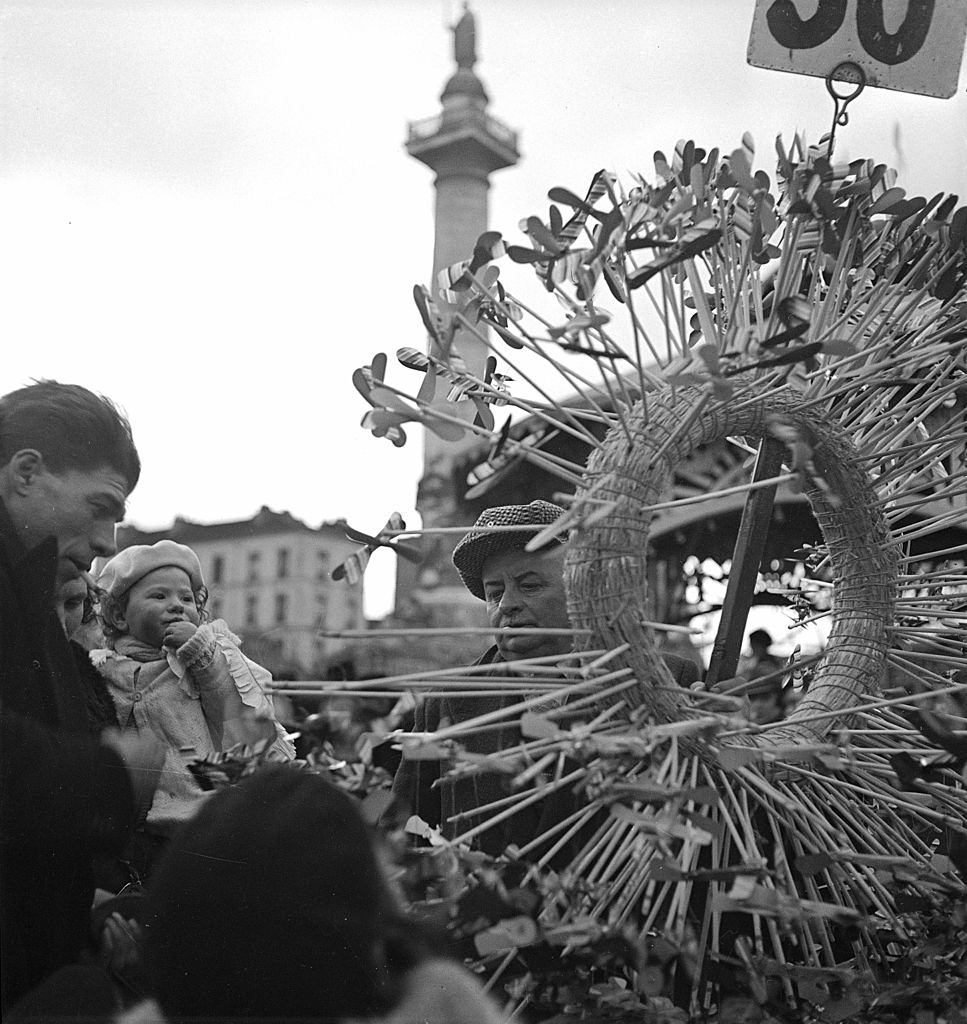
{"x": 746, "y": 560}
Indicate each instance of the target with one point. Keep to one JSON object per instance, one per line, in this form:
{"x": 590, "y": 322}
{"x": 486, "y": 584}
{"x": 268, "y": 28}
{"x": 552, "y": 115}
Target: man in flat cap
{"x": 522, "y": 589}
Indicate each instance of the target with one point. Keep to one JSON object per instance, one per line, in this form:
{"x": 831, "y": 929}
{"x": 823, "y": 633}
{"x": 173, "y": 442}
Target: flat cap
{"x": 135, "y": 562}
{"x": 475, "y": 547}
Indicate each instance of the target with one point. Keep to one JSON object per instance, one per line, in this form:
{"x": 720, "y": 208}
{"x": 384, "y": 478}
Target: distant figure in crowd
{"x": 270, "y": 905}
{"x": 170, "y": 671}
{"x": 522, "y": 589}
{"x": 67, "y": 465}
{"x": 767, "y": 702}
{"x": 760, "y": 662}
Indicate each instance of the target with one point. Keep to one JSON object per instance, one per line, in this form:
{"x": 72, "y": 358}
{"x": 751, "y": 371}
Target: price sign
{"x": 908, "y": 45}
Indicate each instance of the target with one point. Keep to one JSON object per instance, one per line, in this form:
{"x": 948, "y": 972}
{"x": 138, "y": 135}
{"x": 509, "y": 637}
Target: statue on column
{"x": 465, "y": 40}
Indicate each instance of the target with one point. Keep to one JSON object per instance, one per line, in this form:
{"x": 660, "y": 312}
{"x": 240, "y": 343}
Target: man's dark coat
{"x": 422, "y": 787}
{"x": 63, "y": 796}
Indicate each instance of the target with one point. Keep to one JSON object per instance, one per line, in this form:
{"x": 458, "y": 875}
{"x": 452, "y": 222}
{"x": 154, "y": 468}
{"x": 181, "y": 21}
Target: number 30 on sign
{"x": 908, "y": 45}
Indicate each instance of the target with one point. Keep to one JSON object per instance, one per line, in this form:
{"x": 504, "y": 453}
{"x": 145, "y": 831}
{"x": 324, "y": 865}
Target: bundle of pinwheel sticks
{"x": 825, "y": 311}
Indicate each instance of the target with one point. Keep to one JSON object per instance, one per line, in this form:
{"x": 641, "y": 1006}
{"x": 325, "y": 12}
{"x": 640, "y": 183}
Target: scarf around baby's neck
{"x": 137, "y": 650}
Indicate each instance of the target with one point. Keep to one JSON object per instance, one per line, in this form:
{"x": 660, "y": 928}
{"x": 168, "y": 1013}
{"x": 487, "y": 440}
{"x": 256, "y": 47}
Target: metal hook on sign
{"x": 853, "y": 74}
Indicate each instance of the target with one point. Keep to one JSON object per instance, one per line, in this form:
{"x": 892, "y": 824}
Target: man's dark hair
{"x": 73, "y": 428}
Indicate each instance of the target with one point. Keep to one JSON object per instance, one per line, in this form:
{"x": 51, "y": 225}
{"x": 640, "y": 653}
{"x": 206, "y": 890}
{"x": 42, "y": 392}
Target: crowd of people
{"x": 126, "y": 888}
{"x": 263, "y": 902}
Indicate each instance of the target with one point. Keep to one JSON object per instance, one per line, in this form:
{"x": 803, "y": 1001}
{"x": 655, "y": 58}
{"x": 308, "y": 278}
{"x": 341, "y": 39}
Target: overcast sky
{"x": 207, "y": 213}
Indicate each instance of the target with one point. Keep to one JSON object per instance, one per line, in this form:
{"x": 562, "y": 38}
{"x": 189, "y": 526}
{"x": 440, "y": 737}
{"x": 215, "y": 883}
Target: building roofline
{"x": 265, "y": 522}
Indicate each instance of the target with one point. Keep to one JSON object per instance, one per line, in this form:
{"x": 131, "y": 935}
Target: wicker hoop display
{"x": 605, "y": 569}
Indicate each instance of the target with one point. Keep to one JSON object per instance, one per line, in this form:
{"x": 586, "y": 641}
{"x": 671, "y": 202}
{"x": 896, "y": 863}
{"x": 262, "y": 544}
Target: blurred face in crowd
{"x": 79, "y": 508}
{"x": 155, "y": 602}
{"x": 766, "y": 706}
{"x": 525, "y": 589}
{"x": 70, "y": 604}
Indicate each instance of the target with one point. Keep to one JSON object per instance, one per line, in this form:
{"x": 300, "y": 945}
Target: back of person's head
{"x": 71, "y": 427}
{"x": 270, "y": 905}
{"x": 760, "y": 639}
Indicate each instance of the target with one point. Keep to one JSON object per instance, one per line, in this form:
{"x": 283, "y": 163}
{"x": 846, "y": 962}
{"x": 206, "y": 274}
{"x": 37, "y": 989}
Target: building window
{"x": 218, "y": 569}
{"x": 253, "y": 566}
{"x": 322, "y": 566}
{"x": 282, "y": 563}
{"x": 281, "y": 608}
{"x": 252, "y": 610}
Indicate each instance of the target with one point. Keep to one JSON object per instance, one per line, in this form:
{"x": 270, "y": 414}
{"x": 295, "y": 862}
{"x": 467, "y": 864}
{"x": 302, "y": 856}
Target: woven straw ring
{"x": 605, "y": 568}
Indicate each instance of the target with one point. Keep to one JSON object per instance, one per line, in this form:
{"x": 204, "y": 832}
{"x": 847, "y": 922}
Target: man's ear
{"x": 24, "y": 468}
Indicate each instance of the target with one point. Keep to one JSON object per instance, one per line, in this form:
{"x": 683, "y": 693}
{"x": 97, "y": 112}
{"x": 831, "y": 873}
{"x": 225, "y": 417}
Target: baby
{"x": 171, "y": 672}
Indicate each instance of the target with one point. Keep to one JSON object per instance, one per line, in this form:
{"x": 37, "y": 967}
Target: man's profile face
{"x": 79, "y": 507}
{"x": 523, "y": 589}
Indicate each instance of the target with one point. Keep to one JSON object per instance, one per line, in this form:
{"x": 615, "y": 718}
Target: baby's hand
{"x": 120, "y": 944}
{"x": 179, "y": 633}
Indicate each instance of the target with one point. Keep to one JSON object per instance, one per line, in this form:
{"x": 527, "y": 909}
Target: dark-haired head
{"x": 67, "y": 466}
{"x": 71, "y": 427}
{"x": 270, "y": 905}
{"x": 760, "y": 639}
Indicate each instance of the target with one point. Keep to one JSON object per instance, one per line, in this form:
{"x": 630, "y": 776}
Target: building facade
{"x": 269, "y": 578}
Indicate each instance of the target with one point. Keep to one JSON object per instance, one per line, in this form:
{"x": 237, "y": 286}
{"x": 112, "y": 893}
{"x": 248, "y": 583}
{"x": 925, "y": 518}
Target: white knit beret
{"x": 135, "y": 562}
